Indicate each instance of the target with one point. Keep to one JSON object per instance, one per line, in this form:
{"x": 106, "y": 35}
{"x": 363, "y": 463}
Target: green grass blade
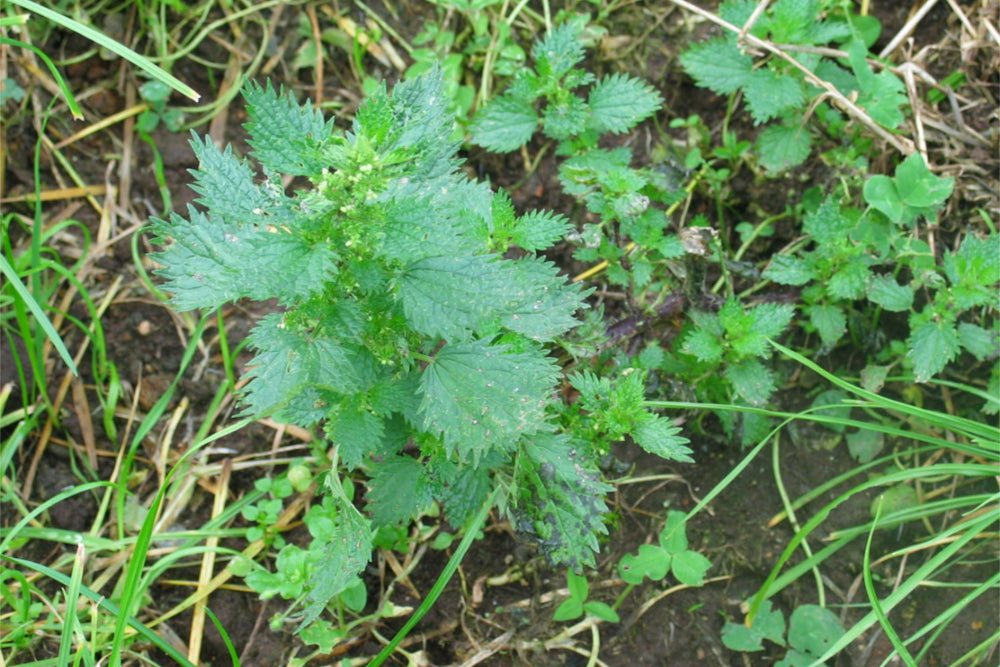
{"x": 472, "y": 529}
{"x": 103, "y": 40}
{"x": 43, "y": 321}
{"x": 107, "y": 606}
{"x": 880, "y": 615}
{"x": 74, "y": 108}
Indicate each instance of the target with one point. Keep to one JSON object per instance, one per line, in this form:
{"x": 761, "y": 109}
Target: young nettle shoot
{"x": 404, "y": 334}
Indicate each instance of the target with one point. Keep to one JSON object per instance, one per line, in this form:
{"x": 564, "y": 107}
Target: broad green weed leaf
{"x": 752, "y": 380}
{"x": 450, "y": 296}
{"x": 652, "y": 561}
{"x": 659, "y": 436}
{"x": 830, "y": 322}
{"x": 288, "y": 361}
{"x": 565, "y": 118}
{"x": 864, "y": 445}
{"x": 619, "y": 103}
{"x": 559, "y": 50}
{"x": 933, "y": 344}
{"x": 886, "y": 292}
{"x": 398, "y": 491}
{"x": 979, "y": 342}
{"x": 782, "y": 147}
{"x": 601, "y": 610}
{"x": 505, "y": 124}
{"x": 673, "y": 537}
{"x": 569, "y": 609}
{"x": 538, "y": 230}
{"x": 880, "y": 193}
{"x": 770, "y": 94}
{"x": 813, "y": 629}
{"x": 919, "y": 187}
{"x": 690, "y": 567}
{"x": 769, "y": 624}
{"x": 789, "y": 270}
{"x": 479, "y": 397}
{"x": 718, "y": 64}
{"x": 564, "y": 503}
{"x": 285, "y": 136}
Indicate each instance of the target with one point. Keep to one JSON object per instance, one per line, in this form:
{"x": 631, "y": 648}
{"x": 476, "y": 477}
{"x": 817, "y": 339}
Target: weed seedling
{"x": 404, "y": 333}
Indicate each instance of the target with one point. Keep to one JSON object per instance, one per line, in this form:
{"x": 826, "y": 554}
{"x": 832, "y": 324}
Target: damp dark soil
{"x": 499, "y": 608}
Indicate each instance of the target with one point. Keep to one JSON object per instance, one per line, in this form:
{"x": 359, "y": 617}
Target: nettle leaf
{"x": 462, "y": 489}
{"x": 827, "y": 224}
{"x": 770, "y": 320}
{"x": 886, "y": 292}
{"x": 285, "y": 136}
{"x": 976, "y": 263}
{"x": 478, "y": 397}
{"x": 620, "y": 102}
{"x": 781, "y": 147}
{"x": 226, "y": 184}
{"x": 563, "y": 506}
{"x": 559, "y": 50}
{"x": 541, "y": 305}
{"x": 933, "y": 344}
{"x": 398, "y": 491}
{"x": 419, "y": 226}
{"x": 209, "y": 262}
{"x": 850, "y": 281}
{"x": 790, "y": 20}
{"x": 661, "y": 437}
{"x": 538, "y": 230}
{"x": 565, "y": 118}
{"x": 505, "y": 124}
{"x": 830, "y": 322}
{"x": 718, "y": 64}
{"x": 450, "y": 296}
{"x": 356, "y": 432}
{"x": 789, "y": 270}
{"x": 751, "y": 380}
{"x": 421, "y": 126}
{"x": 770, "y": 94}
{"x": 343, "y": 556}
{"x": 980, "y": 343}
{"x": 704, "y": 345}
{"x": 288, "y": 361}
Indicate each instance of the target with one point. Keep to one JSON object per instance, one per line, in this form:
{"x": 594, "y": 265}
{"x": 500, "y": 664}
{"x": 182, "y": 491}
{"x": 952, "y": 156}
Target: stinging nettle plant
{"x": 406, "y": 331}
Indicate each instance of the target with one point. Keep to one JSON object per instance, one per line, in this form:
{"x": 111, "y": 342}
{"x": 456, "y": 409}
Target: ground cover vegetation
{"x": 349, "y": 358}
